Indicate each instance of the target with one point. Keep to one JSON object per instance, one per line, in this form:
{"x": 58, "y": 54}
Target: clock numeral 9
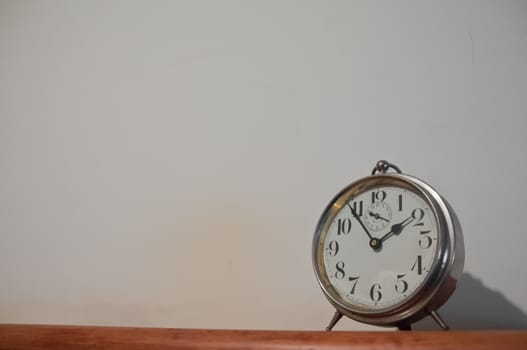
{"x": 344, "y": 226}
{"x": 340, "y": 274}
{"x": 401, "y": 286}
{"x": 333, "y": 247}
{"x": 375, "y": 292}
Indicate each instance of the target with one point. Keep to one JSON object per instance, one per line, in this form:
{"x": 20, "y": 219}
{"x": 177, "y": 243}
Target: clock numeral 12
{"x": 380, "y": 195}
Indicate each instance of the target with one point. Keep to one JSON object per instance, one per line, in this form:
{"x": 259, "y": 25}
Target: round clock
{"x": 388, "y": 250}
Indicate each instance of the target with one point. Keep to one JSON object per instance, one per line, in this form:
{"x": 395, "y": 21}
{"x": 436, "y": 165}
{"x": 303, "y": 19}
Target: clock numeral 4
{"x": 418, "y": 264}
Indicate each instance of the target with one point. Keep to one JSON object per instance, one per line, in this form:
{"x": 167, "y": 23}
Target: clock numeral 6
{"x": 375, "y": 292}
{"x": 343, "y": 226}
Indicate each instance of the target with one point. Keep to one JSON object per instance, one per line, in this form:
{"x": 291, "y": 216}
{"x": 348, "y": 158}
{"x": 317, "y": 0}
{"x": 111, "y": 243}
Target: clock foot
{"x": 336, "y": 317}
{"x": 435, "y": 316}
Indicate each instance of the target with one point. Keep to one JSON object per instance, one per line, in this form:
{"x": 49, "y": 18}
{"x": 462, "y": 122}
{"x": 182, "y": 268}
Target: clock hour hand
{"x": 397, "y": 228}
{"x": 375, "y": 243}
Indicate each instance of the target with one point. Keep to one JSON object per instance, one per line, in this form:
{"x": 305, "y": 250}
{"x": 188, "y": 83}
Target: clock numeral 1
{"x": 401, "y": 285}
{"x": 340, "y": 274}
{"x": 418, "y": 264}
{"x": 400, "y": 202}
{"x": 375, "y": 292}
{"x": 344, "y": 226}
{"x": 354, "y": 281}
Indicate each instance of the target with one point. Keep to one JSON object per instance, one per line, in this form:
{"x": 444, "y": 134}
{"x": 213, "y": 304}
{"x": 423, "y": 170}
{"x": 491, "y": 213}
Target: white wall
{"x": 165, "y": 163}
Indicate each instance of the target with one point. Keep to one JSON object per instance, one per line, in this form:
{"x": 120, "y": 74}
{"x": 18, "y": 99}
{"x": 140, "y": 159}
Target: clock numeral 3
{"x": 425, "y": 242}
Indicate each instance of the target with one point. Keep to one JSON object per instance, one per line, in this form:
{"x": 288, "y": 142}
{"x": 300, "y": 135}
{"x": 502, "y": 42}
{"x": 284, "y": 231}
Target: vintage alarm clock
{"x": 388, "y": 250}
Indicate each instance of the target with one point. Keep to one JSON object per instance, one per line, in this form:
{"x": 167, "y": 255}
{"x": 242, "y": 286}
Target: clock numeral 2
{"x": 344, "y": 226}
{"x": 418, "y": 215}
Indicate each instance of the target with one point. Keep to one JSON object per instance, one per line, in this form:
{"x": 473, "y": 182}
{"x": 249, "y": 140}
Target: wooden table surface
{"x": 46, "y": 337}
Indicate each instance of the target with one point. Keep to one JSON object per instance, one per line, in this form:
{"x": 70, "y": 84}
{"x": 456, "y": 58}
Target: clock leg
{"x": 336, "y": 317}
{"x": 435, "y": 316}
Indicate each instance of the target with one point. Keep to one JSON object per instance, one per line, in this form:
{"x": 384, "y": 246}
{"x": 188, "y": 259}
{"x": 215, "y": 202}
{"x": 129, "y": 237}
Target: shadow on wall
{"x": 474, "y": 306}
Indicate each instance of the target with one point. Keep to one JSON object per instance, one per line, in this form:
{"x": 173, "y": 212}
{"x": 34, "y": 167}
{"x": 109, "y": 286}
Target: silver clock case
{"x": 445, "y": 270}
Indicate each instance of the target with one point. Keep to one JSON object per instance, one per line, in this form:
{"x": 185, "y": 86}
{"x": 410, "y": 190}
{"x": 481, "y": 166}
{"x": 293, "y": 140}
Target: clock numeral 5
{"x": 401, "y": 286}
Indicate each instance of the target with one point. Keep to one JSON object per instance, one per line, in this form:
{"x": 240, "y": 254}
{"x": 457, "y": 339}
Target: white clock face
{"x": 380, "y": 247}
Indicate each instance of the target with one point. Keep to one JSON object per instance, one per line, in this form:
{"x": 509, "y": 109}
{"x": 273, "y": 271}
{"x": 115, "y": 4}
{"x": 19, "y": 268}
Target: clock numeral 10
{"x": 344, "y": 226}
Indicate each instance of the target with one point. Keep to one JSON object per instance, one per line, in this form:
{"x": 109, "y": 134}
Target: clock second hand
{"x": 375, "y": 243}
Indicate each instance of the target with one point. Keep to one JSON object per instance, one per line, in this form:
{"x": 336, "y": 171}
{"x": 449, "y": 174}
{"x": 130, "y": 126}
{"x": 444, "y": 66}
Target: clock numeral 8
{"x": 340, "y": 274}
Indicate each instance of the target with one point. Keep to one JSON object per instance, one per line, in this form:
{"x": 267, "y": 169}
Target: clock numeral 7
{"x": 354, "y": 281}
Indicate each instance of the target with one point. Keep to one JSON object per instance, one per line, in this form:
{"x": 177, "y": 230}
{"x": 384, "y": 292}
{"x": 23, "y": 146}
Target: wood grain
{"x": 47, "y": 337}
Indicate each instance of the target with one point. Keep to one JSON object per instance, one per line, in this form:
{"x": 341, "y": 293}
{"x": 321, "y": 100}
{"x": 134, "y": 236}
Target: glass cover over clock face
{"x": 379, "y": 247}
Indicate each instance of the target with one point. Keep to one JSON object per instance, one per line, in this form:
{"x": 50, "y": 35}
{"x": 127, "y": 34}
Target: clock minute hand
{"x": 397, "y": 228}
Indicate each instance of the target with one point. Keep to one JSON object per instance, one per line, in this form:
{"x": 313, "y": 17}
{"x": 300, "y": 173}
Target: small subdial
{"x": 378, "y": 216}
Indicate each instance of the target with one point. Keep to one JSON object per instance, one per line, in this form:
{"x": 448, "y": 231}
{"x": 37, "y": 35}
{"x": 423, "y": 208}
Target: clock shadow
{"x": 474, "y": 306}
